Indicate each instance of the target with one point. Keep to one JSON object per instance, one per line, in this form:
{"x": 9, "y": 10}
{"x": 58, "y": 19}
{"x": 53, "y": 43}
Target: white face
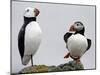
{"x": 31, "y": 12}
{"x": 78, "y": 26}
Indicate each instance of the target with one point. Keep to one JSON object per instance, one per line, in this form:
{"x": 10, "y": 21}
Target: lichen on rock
{"x": 35, "y": 69}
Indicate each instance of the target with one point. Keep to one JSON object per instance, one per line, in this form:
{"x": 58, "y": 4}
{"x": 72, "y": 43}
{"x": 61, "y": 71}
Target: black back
{"x": 66, "y": 36}
{"x": 89, "y": 43}
{"x": 21, "y": 35}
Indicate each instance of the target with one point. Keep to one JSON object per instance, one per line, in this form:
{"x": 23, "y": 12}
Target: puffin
{"x": 76, "y": 42}
{"x": 29, "y": 37}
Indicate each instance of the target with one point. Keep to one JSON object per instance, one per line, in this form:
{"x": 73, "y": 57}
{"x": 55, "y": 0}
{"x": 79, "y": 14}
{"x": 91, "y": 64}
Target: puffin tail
{"x": 26, "y": 59}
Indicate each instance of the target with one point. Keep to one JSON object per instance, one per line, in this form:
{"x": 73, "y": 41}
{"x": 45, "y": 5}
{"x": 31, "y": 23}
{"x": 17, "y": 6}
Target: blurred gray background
{"x": 54, "y": 20}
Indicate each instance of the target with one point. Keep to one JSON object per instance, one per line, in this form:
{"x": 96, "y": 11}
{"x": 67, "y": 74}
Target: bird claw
{"x": 77, "y": 61}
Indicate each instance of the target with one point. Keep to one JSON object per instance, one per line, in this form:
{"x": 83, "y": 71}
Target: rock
{"x": 77, "y": 66}
{"x": 35, "y": 69}
{"x": 51, "y": 68}
{"x": 54, "y": 69}
{"x": 70, "y": 66}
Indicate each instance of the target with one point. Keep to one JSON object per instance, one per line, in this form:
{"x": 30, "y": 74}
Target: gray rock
{"x": 77, "y": 66}
{"x": 51, "y": 68}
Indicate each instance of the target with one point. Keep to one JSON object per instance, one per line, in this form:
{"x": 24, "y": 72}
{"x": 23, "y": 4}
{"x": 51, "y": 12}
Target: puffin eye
{"x": 77, "y": 24}
{"x": 27, "y": 10}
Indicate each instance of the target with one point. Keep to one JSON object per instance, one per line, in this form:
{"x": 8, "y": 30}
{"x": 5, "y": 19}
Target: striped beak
{"x": 36, "y": 12}
{"x": 72, "y": 28}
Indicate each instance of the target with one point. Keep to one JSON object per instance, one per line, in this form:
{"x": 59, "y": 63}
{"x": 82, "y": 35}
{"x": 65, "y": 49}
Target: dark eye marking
{"x": 27, "y": 10}
{"x": 78, "y": 24}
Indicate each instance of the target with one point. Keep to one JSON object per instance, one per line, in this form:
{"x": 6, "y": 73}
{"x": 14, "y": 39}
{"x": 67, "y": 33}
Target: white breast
{"x": 32, "y": 38}
{"x": 77, "y": 45}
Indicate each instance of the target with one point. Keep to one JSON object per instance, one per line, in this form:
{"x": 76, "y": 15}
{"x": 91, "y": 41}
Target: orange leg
{"x": 76, "y": 59}
{"x": 67, "y": 55}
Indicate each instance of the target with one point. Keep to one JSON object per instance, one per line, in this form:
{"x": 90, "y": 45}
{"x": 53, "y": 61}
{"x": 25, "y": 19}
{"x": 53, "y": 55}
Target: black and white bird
{"x": 29, "y": 36}
{"x": 76, "y": 42}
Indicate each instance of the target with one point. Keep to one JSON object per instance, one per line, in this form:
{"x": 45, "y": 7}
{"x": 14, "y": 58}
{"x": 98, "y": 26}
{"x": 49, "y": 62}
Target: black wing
{"x": 89, "y": 43}
{"x": 66, "y": 36}
{"x": 21, "y": 41}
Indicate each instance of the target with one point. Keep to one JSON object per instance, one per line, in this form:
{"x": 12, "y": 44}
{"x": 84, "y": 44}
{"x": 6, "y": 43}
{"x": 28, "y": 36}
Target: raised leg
{"x": 67, "y": 55}
{"x": 31, "y": 60}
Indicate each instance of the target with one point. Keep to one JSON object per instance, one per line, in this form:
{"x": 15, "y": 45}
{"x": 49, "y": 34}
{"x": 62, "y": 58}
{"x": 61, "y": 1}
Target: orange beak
{"x": 36, "y": 12}
{"x": 72, "y": 28}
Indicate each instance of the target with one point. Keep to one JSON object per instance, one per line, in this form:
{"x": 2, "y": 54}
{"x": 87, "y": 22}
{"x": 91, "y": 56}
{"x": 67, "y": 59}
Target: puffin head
{"x": 31, "y": 12}
{"x": 77, "y": 27}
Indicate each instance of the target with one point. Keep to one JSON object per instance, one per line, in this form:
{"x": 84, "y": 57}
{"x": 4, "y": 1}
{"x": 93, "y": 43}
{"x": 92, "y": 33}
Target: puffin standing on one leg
{"x": 76, "y": 42}
{"x": 29, "y": 37}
